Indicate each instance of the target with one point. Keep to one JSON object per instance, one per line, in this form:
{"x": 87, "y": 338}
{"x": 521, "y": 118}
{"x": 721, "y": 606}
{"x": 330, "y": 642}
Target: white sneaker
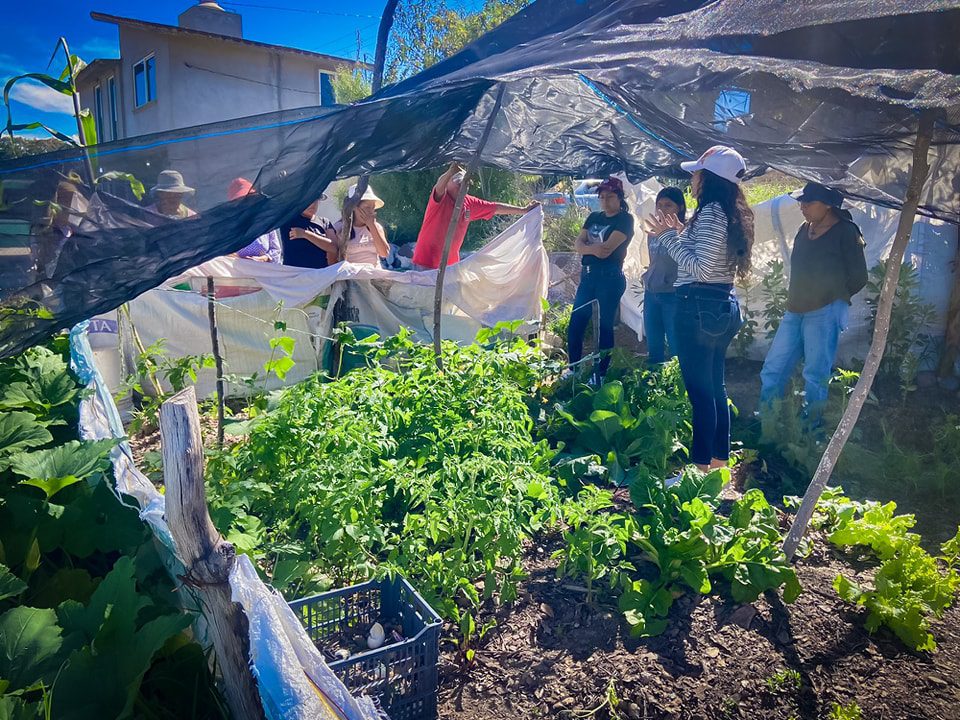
{"x": 671, "y": 481}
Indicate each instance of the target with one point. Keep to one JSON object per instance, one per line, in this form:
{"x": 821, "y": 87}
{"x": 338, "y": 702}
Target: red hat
{"x": 240, "y": 187}
{"x": 611, "y": 184}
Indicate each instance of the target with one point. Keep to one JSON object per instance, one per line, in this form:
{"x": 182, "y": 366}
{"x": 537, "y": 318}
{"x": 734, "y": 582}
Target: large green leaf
{"x": 96, "y": 521}
{"x": 607, "y": 423}
{"x": 20, "y": 430}
{"x": 123, "y": 650}
{"x": 54, "y": 469}
{"x": 10, "y": 584}
{"x": 29, "y": 645}
{"x": 136, "y": 187}
{"x": 89, "y": 125}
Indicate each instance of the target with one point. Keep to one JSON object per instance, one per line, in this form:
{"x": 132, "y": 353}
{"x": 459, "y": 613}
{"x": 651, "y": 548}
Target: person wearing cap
{"x": 659, "y": 294}
{"x": 711, "y": 251}
{"x": 437, "y": 216}
{"x": 265, "y": 248}
{"x": 827, "y": 268}
{"x": 308, "y": 240}
{"x": 168, "y": 195}
{"x": 602, "y": 245}
{"x": 367, "y": 243}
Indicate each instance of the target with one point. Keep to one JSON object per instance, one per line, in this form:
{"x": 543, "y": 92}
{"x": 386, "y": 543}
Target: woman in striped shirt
{"x": 710, "y": 252}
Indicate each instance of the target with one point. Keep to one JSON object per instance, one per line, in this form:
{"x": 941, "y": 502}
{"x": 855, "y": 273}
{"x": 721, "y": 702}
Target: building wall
{"x": 200, "y": 80}
{"x": 88, "y": 94}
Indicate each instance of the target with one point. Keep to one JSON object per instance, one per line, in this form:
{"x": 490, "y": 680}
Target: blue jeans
{"x": 708, "y": 316}
{"x": 659, "y": 320}
{"x": 812, "y": 336}
{"x": 606, "y": 286}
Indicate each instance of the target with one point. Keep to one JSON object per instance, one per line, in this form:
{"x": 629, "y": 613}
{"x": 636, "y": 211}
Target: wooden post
{"x": 918, "y": 176}
{"x": 217, "y": 358}
{"x": 454, "y": 219}
{"x": 206, "y": 556}
{"x": 951, "y": 340}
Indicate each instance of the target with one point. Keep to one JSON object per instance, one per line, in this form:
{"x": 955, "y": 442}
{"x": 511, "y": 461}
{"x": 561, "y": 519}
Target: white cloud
{"x": 41, "y": 97}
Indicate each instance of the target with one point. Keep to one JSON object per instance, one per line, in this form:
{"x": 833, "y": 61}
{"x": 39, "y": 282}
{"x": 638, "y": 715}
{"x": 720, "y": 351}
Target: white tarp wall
{"x": 504, "y": 281}
{"x": 932, "y": 251}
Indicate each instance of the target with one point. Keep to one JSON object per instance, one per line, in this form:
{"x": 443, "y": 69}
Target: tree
{"x": 429, "y": 31}
{"x": 350, "y": 85}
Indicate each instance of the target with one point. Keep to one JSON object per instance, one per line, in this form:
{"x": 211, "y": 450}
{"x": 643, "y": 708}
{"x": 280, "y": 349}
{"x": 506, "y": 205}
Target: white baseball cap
{"x": 368, "y": 194}
{"x": 720, "y": 160}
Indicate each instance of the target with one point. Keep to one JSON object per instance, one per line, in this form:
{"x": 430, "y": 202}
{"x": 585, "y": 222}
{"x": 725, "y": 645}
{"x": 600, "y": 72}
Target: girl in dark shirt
{"x": 603, "y": 246}
{"x": 827, "y": 268}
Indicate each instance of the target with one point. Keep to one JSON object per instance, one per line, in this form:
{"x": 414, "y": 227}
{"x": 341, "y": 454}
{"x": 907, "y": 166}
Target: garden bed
{"x": 552, "y": 657}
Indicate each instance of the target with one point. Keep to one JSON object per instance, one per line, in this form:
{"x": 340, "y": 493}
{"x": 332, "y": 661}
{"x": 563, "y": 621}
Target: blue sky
{"x": 318, "y": 25}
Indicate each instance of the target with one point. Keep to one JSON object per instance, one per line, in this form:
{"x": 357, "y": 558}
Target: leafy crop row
{"x": 910, "y": 586}
{"x": 84, "y": 597}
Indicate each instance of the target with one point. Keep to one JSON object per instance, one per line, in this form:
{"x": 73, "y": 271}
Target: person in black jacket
{"x": 827, "y": 268}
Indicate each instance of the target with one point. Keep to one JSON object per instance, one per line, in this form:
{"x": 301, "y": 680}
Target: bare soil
{"x": 552, "y": 657}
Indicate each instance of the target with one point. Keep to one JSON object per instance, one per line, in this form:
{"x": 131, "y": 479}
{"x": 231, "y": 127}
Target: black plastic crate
{"x": 401, "y": 675}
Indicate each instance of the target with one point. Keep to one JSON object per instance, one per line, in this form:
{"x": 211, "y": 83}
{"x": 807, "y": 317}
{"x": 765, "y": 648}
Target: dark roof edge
{"x": 174, "y": 29}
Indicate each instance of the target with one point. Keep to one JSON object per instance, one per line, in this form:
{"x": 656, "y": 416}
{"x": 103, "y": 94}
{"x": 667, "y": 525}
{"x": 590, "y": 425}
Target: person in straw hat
{"x": 368, "y": 240}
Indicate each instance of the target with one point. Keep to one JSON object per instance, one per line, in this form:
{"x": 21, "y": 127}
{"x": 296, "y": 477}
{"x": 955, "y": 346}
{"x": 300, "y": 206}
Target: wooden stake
{"x": 207, "y": 557}
{"x": 951, "y": 341}
{"x": 918, "y": 176}
{"x": 217, "y": 358}
{"x": 452, "y": 227}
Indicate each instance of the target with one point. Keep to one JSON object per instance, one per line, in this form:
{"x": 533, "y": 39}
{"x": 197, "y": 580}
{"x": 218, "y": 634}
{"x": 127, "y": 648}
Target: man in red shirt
{"x": 436, "y": 219}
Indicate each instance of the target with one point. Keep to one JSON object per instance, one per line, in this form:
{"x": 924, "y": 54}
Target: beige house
{"x": 199, "y": 71}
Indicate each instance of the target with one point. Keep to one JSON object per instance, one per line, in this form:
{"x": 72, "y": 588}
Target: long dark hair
{"x": 714, "y": 189}
{"x": 674, "y": 195}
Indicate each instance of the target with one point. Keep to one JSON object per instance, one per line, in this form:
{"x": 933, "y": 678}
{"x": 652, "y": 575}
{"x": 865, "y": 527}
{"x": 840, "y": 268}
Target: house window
{"x": 145, "y": 81}
{"x": 326, "y": 90}
{"x": 731, "y": 104}
{"x": 98, "y": 111}
{"x": 112, "y": 98}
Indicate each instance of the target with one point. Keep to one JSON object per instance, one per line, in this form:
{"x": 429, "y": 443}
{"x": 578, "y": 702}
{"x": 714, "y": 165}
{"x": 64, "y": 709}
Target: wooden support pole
{"x": 217, "y": 358}
{"x": 454, "y": 220}
{"x": 207, "y": 557}
{"x": 918, "y": 176}
{"x": 951, "y": 340}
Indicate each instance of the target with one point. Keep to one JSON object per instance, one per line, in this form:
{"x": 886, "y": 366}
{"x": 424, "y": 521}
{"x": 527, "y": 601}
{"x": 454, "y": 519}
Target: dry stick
{"x": 831, "y": 455}
{"x": 386, "y": 22}
{"x": 207, "y": 557}
{"x": 138, "y": 343}
{"x": 217, "y": 359}
{"x": 452, "y": 227}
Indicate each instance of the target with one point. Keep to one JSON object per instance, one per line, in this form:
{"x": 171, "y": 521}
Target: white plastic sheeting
{"x": 293, "y": 681}
{"x": 932, "y": 251}
{"x": 504, "y": 281}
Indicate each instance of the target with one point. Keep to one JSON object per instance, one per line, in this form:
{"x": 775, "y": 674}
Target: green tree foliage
{"x": 425, "y": 32}
{"x": 350, "y": 85}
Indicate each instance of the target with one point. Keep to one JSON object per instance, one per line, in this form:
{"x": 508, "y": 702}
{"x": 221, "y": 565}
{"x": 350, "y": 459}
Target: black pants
{"x": 605, "y": 286}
